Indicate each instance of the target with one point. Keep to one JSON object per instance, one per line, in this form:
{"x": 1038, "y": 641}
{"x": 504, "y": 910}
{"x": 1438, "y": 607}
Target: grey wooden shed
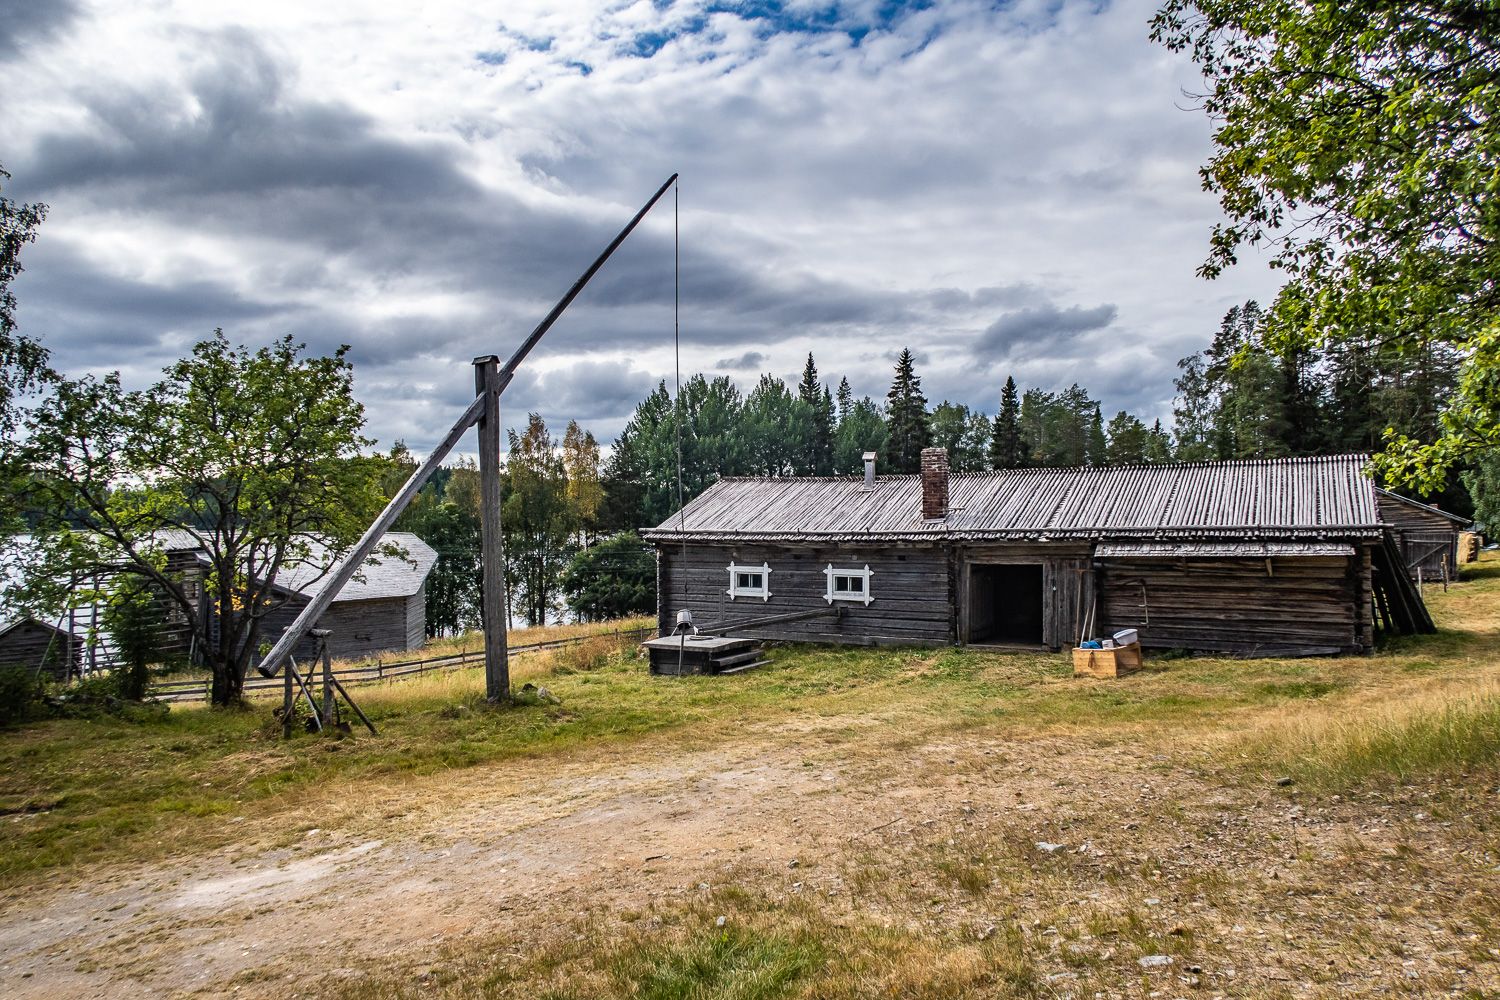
{"x": 383, "y": 609}
{"x": 1273, "y": 557}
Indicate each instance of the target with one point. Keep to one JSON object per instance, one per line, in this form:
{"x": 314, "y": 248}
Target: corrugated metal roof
{"x": 1270, "y": 498}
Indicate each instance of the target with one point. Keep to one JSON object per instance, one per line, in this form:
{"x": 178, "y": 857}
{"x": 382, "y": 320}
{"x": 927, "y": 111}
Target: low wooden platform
{"x": 1115, "y": 662}
{"x": 702, "y": 654}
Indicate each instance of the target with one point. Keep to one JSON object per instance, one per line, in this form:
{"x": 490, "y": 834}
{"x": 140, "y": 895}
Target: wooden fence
{"x": 372, "y": 673}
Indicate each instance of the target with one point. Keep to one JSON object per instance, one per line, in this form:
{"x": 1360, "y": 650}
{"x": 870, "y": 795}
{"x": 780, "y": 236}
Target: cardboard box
{"x": 1115, "y": 662}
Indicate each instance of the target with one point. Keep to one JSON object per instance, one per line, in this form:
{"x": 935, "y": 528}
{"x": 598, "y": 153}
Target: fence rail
{"x": 374, "y": 673}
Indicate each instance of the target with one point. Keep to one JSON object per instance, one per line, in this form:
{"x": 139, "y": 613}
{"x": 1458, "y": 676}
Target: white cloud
{"x": 423, "y": 182}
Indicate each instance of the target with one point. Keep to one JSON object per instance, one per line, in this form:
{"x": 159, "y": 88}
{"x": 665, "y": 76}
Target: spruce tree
{"x": 846, "y": 399}
{"x": 1096, "y": 449}
{"x": 818, "y": 460}
{"x": 1006, "y": 451}
{"x": 906, "y": 418}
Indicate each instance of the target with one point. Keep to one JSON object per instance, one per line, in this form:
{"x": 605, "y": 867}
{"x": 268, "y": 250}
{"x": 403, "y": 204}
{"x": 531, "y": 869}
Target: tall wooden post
{"x": 322, "y": 635}
{"x": 287, "y": 701}
{"x": 496, "y": 661}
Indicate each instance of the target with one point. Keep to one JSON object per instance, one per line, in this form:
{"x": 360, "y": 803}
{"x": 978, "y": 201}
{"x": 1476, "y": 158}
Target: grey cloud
{"x": 22, "y": 21}
{"x": 1044, "y": 324}
{"x": 748, "y": 361}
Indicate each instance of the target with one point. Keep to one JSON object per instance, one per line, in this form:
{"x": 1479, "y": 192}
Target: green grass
{"x": 152, "y": 786}
{"x": 765, "y": 950}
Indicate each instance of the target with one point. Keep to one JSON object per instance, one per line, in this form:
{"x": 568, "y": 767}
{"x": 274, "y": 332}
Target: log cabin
{"x": 1282, "y": 557}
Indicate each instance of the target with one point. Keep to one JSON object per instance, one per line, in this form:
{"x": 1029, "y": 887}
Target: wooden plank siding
{"x": 1428, "y": 537}
{"x": 912, "y": 589}
{"x": 360, "y": 628}
{"x": 1279, "y": 606}
{"x": 34, "y": 646}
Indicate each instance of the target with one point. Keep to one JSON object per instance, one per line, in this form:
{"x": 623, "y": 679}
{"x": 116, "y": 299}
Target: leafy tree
{"x": 614, "y": 579}
{"x": 580, "y": 456}
{"x": 907, "y": 431}
{"x": 950, "y": 429}
{"x": 1007, "y": 448}
{"x": 1483, "y": 482}
{"x": 976, "y": 443}
{"x": 638, "y": 492}
{"x": 248, "y": 455}
{"x": 1058, "y": 428}
{"x": 23, "y": 362}
{"x": 773, "y": 428}
{"x": 1194, "y": 411}
{"x": 1128, "y": 439}
{"x": 133, "y": 618}
{"x": 862, "y": 429}
{"x": 1358, "y": 140}
{"x": 538, "y": 520}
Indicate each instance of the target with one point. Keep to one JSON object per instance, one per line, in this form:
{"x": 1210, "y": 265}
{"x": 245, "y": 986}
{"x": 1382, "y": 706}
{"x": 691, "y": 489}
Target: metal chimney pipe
{"x": 869, "y": 470}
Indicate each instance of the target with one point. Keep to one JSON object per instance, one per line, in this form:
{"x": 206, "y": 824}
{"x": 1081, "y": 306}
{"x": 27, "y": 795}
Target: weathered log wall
{"x": 360, "y": 628}
{"x": 1428, "y": 539}
{"x": 32, "y": 645}
{"x": 912, "y": 590}
{"x": 1305, "y": 605}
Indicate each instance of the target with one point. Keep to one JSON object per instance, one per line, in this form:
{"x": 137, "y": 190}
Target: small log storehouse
{"x": 1281, "y": 557}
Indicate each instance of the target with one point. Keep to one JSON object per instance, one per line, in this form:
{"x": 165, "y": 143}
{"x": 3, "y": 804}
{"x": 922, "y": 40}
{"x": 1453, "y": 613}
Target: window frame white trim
{"x": 763, "y": 591}
{"x": 832, "y": 595}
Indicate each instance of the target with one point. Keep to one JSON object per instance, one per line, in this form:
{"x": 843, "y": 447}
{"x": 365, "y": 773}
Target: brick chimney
{"x": 934, "y": 484}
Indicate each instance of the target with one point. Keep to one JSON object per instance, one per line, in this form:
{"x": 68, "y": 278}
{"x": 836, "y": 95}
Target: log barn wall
{"x": 1304, "y": 605}
{"x": 31, "y": 645}
{"x": 1428, "y": 537}
{"x": 912, "y": 590}
{"x": 360, "y": 628}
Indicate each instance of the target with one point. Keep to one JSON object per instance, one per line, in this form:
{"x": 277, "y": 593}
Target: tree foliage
{"x": 134, "y": 620}
{"x": 23, "y": 361}
{"x": 907, "y": 427}
{"x": 614, "y": 579}
{"x": 255, "y": 456}
{"x": 539, "y": 521}
{"x": 1358, "y": 142}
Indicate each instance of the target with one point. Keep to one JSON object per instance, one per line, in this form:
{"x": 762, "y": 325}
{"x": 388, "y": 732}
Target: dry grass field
{"x": 841, "y": 823}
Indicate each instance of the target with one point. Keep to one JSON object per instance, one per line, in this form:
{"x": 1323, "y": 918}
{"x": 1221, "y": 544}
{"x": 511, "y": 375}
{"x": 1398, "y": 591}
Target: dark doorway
{"x": 1005, "y": 604}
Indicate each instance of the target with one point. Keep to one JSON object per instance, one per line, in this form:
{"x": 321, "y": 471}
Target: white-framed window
{"x": 848, "y": 584}
{"x": 750, "y": 581}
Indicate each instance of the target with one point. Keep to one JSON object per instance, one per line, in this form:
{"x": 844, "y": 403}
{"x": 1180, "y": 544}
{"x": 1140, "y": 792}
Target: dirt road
{"x": 1270, "y": 884}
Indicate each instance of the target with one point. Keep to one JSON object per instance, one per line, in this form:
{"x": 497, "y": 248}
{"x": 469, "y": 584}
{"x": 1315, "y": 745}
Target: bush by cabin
{"x": 1282, "y": 557}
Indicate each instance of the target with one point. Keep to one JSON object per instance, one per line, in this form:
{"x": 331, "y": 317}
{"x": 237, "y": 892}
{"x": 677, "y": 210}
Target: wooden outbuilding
{"x": 1278, "y": 557}
{"x": 40, "y": 648}
{"x": 1426, "y": 535}
{"x": 384, "y": 608}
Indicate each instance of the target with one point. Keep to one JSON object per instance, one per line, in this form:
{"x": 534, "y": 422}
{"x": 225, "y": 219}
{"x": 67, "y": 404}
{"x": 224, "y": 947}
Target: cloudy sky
{"x": 1007, "y": 189}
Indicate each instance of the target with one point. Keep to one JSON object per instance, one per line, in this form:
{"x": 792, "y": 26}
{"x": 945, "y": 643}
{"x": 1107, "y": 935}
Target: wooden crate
{"x": 1115, "y": 662}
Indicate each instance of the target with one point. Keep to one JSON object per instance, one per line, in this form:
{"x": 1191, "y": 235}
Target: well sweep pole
{"x": 367, "y": 542}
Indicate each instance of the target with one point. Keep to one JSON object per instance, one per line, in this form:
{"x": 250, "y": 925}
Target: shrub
{"x": 20, "y": 693}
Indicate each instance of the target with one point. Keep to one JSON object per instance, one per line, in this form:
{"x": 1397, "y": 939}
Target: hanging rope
{"x": 677, "y": 352}
{"x": 677, "y": 356}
